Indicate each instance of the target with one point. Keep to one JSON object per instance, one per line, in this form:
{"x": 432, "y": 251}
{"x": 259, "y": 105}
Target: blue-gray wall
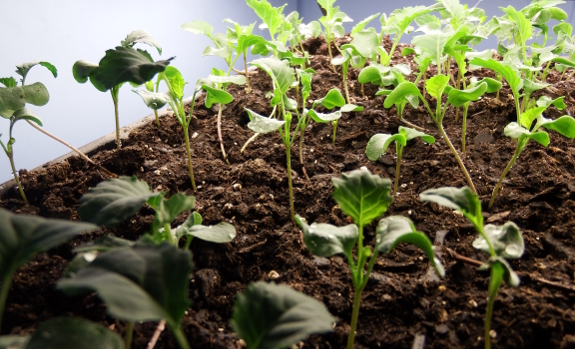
{"x": 64, "y": 31}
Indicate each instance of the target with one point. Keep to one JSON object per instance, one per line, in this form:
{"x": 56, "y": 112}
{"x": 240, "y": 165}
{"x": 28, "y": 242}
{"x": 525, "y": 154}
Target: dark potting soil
{"x": 403, "y": 299}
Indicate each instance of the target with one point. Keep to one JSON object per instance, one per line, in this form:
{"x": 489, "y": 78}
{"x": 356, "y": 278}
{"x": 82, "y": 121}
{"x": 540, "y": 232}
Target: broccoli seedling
{"x": 500, "y": 242}
{"x": 364, "y": 197}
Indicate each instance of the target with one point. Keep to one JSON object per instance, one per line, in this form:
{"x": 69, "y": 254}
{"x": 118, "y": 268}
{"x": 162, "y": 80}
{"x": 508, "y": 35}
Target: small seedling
{"x": 332, "y": 22}
{"x": 379, "y": 143}
{"x": 364, "y": 197}
{"x": 500, "y": 242}
{"x": 122, "y": 278}
{"x": 22, "y": 237}
{"x": 121, "y": 65}
{"x": 115, "y": 200}
{"x": 269, "y": 316}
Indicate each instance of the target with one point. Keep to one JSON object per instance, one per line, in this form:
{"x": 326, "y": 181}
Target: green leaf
{"x": 333, "y": 99}
{"x": 557, "y": 13}
{"x": 220, "y": 233}
{"x": 433, "y": 42}
{"x": 15, "y": 98}
{"x": 246, "y": 41}
{"x": 436, "y": 85}
{"x": 126, "y": 64}
{"x": 378, "y": 144}
{"x": 545, "y": 101}
{"x": 198, "y": 27}
{"x": 14, "y": 341}
{"x": 103, "y": 244}
{"x": 411, "y": 134}
{"x": 370, "y": 74}
{"x": 214, "y": 95}
{"x": 347, "y": 108}
{"x": 73, "y": 333}
{"x": 270, "y": 316}
{"x": 529, "y": 115}
{"x": 514, "y": 130}
{"x": 564, "y": 61}
{"x": 407, "y": 51}
{"x": 510, "y": 277}
{"x": 176, "y": 81}
{"x": 365, "y": 43}
{"x": 506, "y": 240}
{"x": 510, "y": 75}
{"x": 324, "y": 118}
{"x": 24, "y": 68}
{"x": 114, "y": 200}
{"x": 262, "y": 124}
{"x": 26, "y": 114}
{"x": 233, "y": 79}
{"x": 271, "y": 16}
{"x": 153, "y": 100}
{"x": 141, "y": 36}
{"x": 24, "y": 236}
{"x": 395, "y": 229}
{"x": 139, "y": 283}
{"x": 224, "y": 52}
{"x": 532, "y": 86}
{"x": 524, "y": 29}
{"x": 84, "y": 70}
{"x": 565, "y": 125}
{"x": 462, "y": 200}
{"x": 362, "y": 195}
{"x": 492, "y": 84}
{"x": 280, "y": 71}
{"x": 8, "y": 82}
{"x": 305, "y": 77}
{"x": 168, "y": 210}
{"x": 400, "y": 92}
{"x": 326, "y": 240}
{"x": 457, "y": 98}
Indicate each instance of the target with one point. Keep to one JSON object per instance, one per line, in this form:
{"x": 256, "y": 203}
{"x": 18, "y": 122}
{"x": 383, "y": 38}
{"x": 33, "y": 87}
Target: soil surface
{"x": 403, "y": 302}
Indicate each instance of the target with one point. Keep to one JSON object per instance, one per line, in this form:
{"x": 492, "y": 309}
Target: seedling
{"x": 332, "y": 22}
{"x": 121, "y": 278}
{"x": 398, "y": 24}
{"x": 13, "y": 99}
{"x": 500, "y": 242}
{"x": 119, "y": 66}
{"x": 436, "y": 86}
{"x": 364, "y": 197}
{"x": 115, "y": 200}
{"x": 152, "y": 98}
{"x": 276, "y": 316}
{"x": 23, "y": 237}
{"x": 379, "y": 143}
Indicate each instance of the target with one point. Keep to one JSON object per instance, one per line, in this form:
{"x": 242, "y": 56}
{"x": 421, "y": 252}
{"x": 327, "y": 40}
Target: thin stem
{"x": 180, "y": 337}
{"x": 247, "y": 73}
{"x": 220, "y": 138}
{"x": 82, "y": 155}
{"x": 328, "y": 39}
{"x": 290, "y": 185}
{"x": 157, "y": 333}
{"x": 520, "y": 146}
{"x": 354, "y": 317}
{"x": 344, "y": 68}
{"x": 16, "y": 178}
{"x": 189, "y": 239}
{"x": 114, "y": 91}
{"x": 545, "y": 72}
{"x": 302, "y": 129}
{"x": 168, "y": 232}
{"x": 570, "y": 76}
{"x": 494, "y": 284}
{"x": 252, "y": 138}
{"x": 189, "y": 154}
{"x": 129, "y": 334}
{"x": 399, "y": 151}
{"x": 157, "y": 118}
{"x": 465, "y": 173}
{"x": 464, "y": 128}
{"x": 6, "y": 281}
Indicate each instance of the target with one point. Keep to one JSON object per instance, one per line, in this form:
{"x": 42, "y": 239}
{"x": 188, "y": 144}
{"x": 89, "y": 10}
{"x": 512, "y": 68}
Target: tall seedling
{"x": 332, "y": 23}
{"x": 364, "y": 197}
{"x": 13, "y": 100}
{"x": 500, "y": 242}
{"x": 120, "y": 65}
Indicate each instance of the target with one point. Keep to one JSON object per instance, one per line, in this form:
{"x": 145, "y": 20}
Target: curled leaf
{"x": 326, "y": 240}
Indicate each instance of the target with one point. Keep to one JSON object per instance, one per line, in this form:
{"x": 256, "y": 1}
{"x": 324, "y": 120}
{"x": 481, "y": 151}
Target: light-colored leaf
{"x": 141, "y": 36}
{"x": 262, "y": 124}
{"x": 378, "y": 144}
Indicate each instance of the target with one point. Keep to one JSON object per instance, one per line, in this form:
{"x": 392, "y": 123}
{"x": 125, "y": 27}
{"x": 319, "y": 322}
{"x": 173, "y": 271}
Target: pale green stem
{"x": 157, "y": 118}
{"x": 464, "y": 128}
{"x": 129, "y": 334}
{"x": 334, "y": 123}
{"x": 82, "y": 155}
{"x": 399, "y": 151}
{"x": 290, "y": 185}
{"x": 114, "y": 91}
{"x": 189, "y": 239}
{"x": 16, "y": 178}
{"x": 520, "y": 146}
{"x": 220, "y": 138}
{"x": 189, "y": 154}
{"x": 494, "y": 284}
{"x": 344, "y": 68}
{"x": 252, "y": 138}
{"x": 354, "y": 317}
{"x": 6, "y": 281}
{"x": 168, "y": 232}
{"x": 247, "y": 73}
{"x": 461, "y": 165}
{"x": 180, "y": 338}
